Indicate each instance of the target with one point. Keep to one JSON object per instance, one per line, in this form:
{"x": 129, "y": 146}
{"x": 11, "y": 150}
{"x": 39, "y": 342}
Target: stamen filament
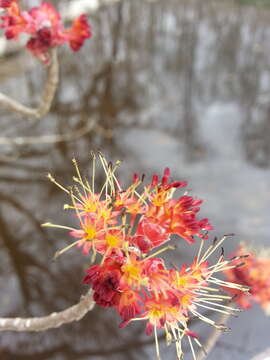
{"x": 156, "y": 342}
{"x": 48, "y": 224}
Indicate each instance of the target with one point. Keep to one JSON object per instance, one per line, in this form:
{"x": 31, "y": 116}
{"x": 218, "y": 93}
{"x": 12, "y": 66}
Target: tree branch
{"x": 49, "y": 139}
{"x": 47, "y": 96}
{"x": 54, "y": 320}
{"x": 211, "y": 341}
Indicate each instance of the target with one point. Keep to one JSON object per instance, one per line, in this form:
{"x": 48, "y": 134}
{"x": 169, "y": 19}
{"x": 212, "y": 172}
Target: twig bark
{"x": 211, "y": 341}
{"x": 49, "y": 139}
{"x": 54, "y": 320}
{"x": 47, "y": 96}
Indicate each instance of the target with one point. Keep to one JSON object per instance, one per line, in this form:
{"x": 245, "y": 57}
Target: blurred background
{"x": 177, "y": 83}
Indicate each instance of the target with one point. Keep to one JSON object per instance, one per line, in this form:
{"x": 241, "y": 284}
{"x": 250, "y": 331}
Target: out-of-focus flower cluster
{"x": 44, "y": 26}
{"x": 254, "y": 273}
{"x": 125, "y": 227}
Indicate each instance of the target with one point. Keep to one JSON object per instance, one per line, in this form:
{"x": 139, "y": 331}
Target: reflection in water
{"x": 151, "y": 68}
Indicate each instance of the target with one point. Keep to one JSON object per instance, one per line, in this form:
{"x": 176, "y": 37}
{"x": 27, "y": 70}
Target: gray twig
{"x": 54, "y": 320}
{"x": 211, "y": 341}
{"x": 47, "y": 96}
{"x": 49, "y": 139}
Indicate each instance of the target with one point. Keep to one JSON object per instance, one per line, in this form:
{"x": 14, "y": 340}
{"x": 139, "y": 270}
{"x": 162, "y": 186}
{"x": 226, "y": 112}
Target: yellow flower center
{"x": 90, "y": 232}
{"x": 160, "y": 198}
{"x": 90, "y": 206}
{"x": 185, "y": 300}
{"x": 181, "y": 281}
{"x": 105, "y": 213}
{"x": 112, "y": 240}
{"x": 156, "y": 313}
{"x": 132, "y": 271}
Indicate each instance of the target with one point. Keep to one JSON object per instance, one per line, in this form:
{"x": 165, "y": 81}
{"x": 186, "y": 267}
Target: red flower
{"x": 78, "y": 33}
{"x": 105, "y": 280}
{"x": 45, "y": 28}
{"x": 13, "y": 22}
{"x": 162, "y": 311}
{"x": 159, "y": 281}
{"x": 91, "y": 235}
{"x": 133, "y": 275}
{"x": 184, "y": 221}
{"x": 164, "y": 185}
{"x": 130, "y": 305}
{"x": 149, "y": 235}
{"x": 254, "y": 272}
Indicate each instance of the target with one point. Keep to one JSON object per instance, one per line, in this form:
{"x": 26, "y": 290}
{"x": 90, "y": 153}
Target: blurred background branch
{"x": 49, "y": 90}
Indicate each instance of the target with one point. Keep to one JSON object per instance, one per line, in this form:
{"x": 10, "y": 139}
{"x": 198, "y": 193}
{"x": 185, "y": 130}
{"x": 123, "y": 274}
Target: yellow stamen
{"x": 169, "y": 247}
{"x": 48, "y": 224}
{"x": 79, "y": 175}
{"x": 192, "y": 348}
{"x": 60, "y": 252}
{"x": 156, "y": 342}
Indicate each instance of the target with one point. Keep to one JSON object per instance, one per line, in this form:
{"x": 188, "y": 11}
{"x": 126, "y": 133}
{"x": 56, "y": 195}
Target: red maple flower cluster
{"x": 44, "y": 26}
{"x": 144, "y": 220}
{"x": 123, "y": 226}
{"x": 254, "y": 273}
